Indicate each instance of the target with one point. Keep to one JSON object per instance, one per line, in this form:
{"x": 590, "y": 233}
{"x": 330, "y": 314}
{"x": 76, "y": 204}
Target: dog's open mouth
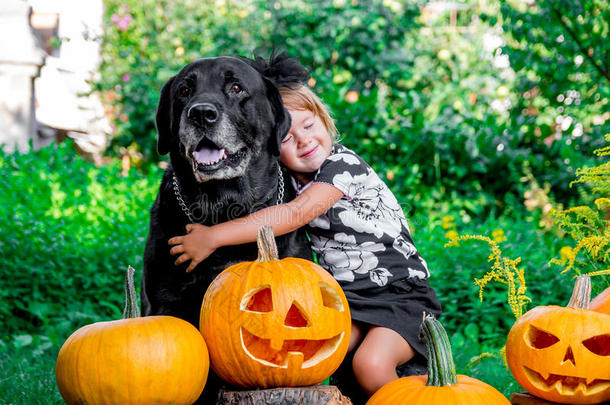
{"x": 209, "y": 158}
{"x": 208, "y": 155}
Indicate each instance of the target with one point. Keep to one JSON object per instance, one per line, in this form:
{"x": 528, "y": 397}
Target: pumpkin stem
{"x": 441, "y": 368}
{"x": 132, "y": 310}
{"x": 267, "y": 249}
{"x": 581, "y": 296}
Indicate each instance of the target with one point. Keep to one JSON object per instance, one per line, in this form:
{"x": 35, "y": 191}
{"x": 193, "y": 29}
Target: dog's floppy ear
{"x": 281, "y": 116}
{"x": 164, "y": 119}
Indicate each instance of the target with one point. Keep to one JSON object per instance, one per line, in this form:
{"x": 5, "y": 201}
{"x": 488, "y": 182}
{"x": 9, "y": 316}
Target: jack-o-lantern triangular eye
{"x": 295, "y": 317}
{"x": 258, "y": 300}
{"x": 539, "y": 339}
{"x": 330, "y": 298}
{"x": 599, "y": 345}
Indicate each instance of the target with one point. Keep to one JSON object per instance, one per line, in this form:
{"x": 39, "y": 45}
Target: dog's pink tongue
{"x": 205, "y": 156}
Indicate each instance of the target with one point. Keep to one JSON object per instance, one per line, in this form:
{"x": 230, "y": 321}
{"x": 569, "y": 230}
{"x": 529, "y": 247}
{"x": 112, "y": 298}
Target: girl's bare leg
{"x": 377, "y": 357}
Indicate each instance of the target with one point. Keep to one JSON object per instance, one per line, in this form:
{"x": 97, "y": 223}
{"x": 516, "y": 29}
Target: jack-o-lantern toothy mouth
{"x": 566, "y": 385}
{"x": 299, "y": 353}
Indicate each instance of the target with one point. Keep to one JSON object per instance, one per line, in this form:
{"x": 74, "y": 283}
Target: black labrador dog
{"x": 221, "y": 121}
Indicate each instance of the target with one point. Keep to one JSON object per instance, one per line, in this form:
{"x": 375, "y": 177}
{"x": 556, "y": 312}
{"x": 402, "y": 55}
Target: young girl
{"x": 357, "y": 230}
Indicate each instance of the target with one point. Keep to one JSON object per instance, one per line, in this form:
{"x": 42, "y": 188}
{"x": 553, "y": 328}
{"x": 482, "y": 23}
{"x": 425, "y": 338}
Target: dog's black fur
{"x": 199, "y": 108}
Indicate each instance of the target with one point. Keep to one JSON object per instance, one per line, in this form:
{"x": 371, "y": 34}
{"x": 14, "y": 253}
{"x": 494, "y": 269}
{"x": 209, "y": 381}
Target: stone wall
{"x": 45, "y": 86}
{"x": 20, "y": 61}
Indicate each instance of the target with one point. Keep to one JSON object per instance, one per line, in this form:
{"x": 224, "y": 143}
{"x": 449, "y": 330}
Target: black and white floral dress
{"x": 365, "y": 242}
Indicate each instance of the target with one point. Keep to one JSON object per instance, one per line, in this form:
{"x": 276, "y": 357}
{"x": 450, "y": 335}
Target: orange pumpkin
{"x": 275, "y": 322}
{"x": 563, "y": 354}
{"x": 601, "y": 303}
{"x": 441, "y": 385}
{"x": 133, "y": 361}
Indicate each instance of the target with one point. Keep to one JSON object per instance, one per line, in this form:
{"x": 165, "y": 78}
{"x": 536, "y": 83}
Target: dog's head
{"x": 217, "y": 115}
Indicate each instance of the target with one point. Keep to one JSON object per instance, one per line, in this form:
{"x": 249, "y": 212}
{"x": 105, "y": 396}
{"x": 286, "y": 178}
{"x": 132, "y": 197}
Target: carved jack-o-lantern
{"x": 275, "y": 322}
{"x": 563, "y": 354}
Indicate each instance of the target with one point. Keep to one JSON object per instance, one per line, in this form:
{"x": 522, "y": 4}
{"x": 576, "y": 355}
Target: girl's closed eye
{"x": 287, "y": 139}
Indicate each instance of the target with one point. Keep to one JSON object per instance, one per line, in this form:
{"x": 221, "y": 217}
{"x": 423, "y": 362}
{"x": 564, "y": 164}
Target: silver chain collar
{"x": 178, "y": 194}
{"x": 280, "y": 185}
{"x": 187, "y": 211}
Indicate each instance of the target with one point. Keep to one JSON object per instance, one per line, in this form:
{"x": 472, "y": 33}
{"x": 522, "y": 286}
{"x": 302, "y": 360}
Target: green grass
{"x": 27, "y": 376}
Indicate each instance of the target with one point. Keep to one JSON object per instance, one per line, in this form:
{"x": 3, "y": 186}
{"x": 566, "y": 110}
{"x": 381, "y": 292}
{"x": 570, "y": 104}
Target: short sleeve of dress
{"x": 341, "y": 170}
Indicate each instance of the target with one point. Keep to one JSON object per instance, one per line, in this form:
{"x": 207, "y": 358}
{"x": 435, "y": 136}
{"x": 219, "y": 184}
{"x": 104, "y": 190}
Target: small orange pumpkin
{"x": 133, "y": 361}
{"x": 441, "y": 385}
{"x": 275, "y": 322}
{"x": 601, "y": 303}
{"x": 563, "y": 354}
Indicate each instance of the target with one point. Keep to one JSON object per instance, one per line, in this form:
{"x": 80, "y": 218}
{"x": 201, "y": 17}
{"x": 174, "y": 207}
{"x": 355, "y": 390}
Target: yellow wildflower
{"x": 566, "y": 253}
{"x": 504, "y": 271}
{"x": 603, "y": 203}
{"x": 599, "y": 273}
{"x": 448, "y": 222}
{"x": 498, "y": 235}
{"x": 476, "y": 359}
{"x": 452, "y": 234}
{"x": 595, "y": 246}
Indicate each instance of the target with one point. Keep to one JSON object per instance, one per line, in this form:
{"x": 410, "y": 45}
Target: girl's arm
{"x": 201, "y": 241}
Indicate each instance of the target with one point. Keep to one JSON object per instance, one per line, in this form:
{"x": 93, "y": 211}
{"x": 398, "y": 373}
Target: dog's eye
{"x": 236, "y": 88}
{"x": 185, "y": 91}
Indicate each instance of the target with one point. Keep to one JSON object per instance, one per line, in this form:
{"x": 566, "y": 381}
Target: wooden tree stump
{"x": 528, "y": 399}
{"x": 313, "y": 395}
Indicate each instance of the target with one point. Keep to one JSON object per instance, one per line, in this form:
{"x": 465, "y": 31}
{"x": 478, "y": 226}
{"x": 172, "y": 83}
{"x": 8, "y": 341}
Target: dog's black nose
{"x": 203, "y": 113}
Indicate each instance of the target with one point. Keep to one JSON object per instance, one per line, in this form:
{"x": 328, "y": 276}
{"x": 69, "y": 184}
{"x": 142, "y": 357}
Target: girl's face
{"x": 307, "y": 143}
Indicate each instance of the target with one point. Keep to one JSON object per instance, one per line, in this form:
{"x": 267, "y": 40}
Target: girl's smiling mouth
{"x": 311, "y": 152}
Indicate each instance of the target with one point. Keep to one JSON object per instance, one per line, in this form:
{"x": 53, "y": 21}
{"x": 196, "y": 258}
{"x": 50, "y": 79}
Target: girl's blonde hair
{"x": 302, "y": 98}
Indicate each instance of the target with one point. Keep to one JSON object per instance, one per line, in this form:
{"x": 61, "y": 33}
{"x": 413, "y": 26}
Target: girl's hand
{"x": 195, "y": 246}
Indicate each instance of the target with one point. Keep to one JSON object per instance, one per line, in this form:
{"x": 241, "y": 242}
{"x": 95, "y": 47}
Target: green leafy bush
{"x": 589, "y": 228}
{"x": 67, "y": 233}
{"x": 562, "y": 80}
{"x": 431, "y": 104}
